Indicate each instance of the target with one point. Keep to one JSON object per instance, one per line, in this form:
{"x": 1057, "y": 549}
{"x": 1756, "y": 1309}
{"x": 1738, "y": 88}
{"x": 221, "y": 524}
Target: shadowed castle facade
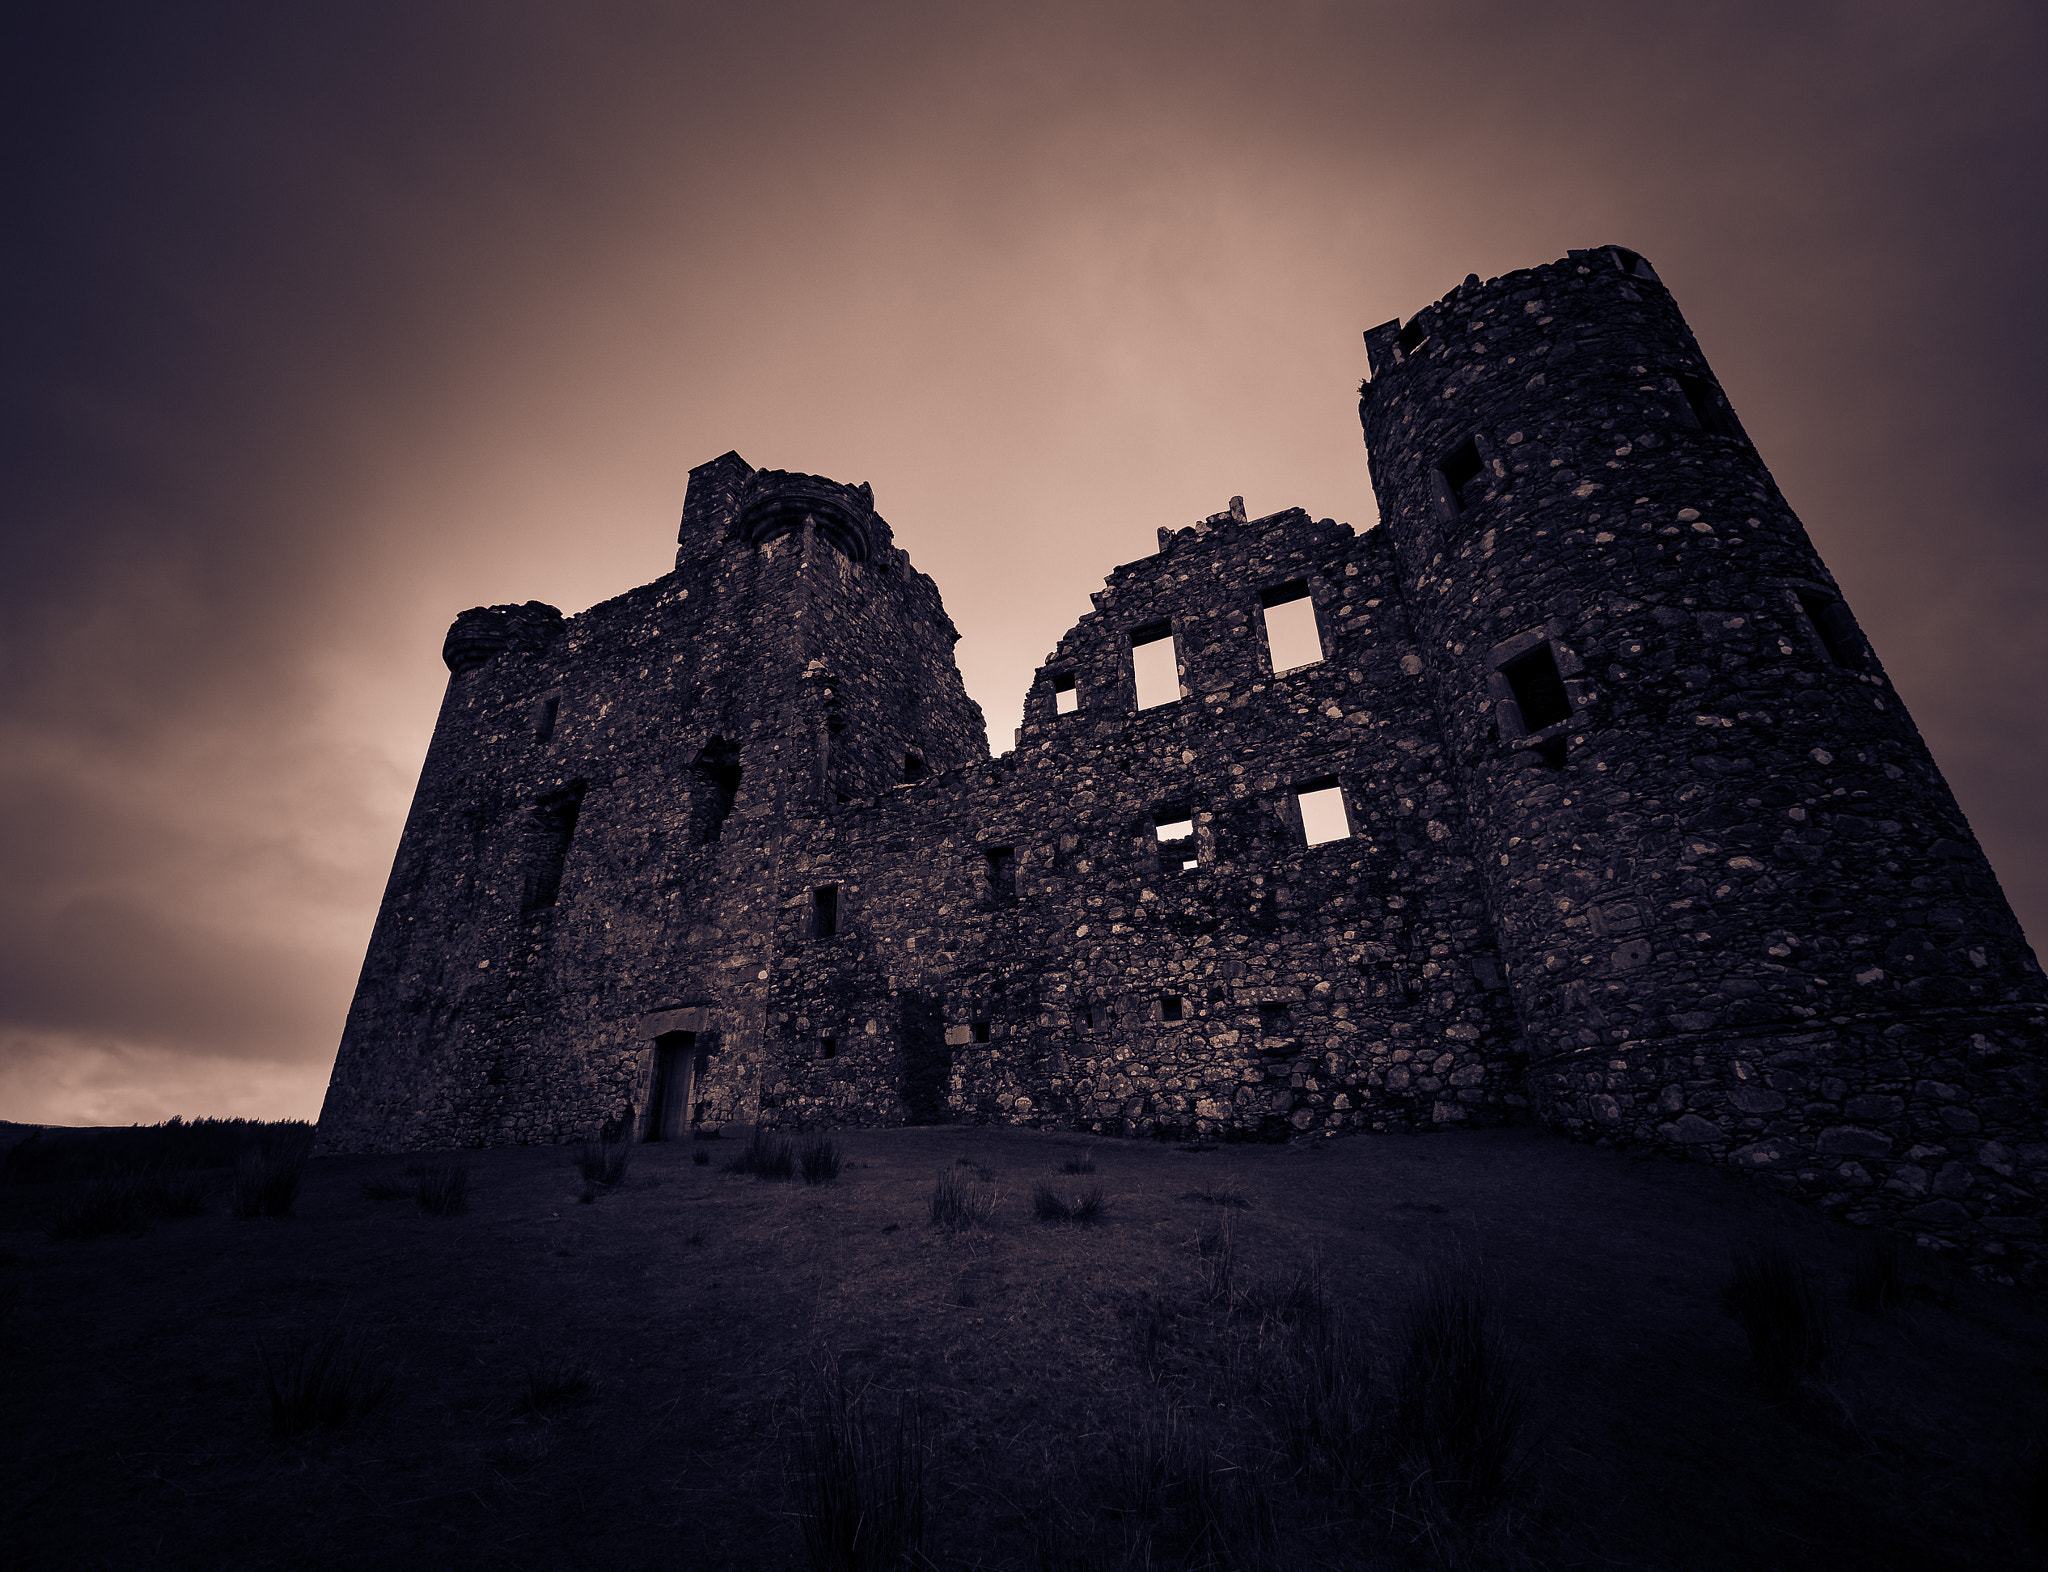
{"x": 1581, "y": 797}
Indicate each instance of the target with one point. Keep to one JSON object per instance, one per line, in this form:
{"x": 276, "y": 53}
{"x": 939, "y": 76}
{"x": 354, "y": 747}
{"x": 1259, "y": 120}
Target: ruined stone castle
{"x": 1571, "y": 792}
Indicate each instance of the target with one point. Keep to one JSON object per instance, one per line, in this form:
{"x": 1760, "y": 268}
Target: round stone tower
{"x": 1740, "y": 909}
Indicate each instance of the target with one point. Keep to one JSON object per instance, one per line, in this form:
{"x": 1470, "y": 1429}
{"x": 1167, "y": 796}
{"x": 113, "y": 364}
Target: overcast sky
{"x": 323, "y": 322}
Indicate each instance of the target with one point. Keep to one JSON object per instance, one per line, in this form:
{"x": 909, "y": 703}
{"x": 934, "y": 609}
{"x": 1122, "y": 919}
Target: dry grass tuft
{"x": 603, "y": 1163}
{"x": 819, "y": 1160}
{"x": 858, "y": 1476}
{"x": 1049, "y": 1206}
{"x": 267, "y": 1180}
{"x": 441, "y": 1188}
{"x": 1461, "y": 1400}
{"x": 1783, "y": 1311}
{"x": 764, "y": 1156}
{"x": 956, "y": 1205}
{"x": 325, "y": 1379}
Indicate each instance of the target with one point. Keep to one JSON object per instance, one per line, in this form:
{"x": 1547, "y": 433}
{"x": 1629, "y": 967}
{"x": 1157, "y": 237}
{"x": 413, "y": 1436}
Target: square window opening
{"x": 1274, "y": 1019}
{"x": 913, "y": 768}
{"x": 1066, "y": 698}
{"x": 825, "y": 912}
{"x": 1462, "y": 469}
{"x": 1538, "y": 688}
{"x": 828, "y": 1048}
{"x": 1173, "y": 837}
{"x": 1172, "y": 1007}
{"x": 1321, "y": 804}
{"x": 1292, "y": 638}
{"x": 1094, "y": 1017}
{"x": 980, "y": 1031}
{"x": 1154, "y": 670}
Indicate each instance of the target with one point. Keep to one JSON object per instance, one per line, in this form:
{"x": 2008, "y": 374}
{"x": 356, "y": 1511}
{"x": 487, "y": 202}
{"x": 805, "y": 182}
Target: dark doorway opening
{"x": 1538, "y": 688}
{"x": 678, "y": 1067}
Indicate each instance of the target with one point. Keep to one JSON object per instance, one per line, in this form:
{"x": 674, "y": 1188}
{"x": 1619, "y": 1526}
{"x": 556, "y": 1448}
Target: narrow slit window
{"x": 1292, "y": 638}
{"x": 1172, "y": 1007}
{"x": 1153, "y": 667}
{"x": 1000, "y": 865}
{"x": 1322, "y": 811}
{"x": 979, "y": 1031}
{"x": 828, "y": 1048}
{"x": 718, "y": 786}
{"x": 1066, "y": 698}
{"x": 549, "y": 828}
{"x": 1462, "y": 470}
{"x": 1708, "y": 409}
{"x": 1835, "y": 628}
{"x": 1093, "y": 1016}
{"x": 1538, "y": 689}
{"x": 825, "y": 912}
{"x": 544, "y": 714}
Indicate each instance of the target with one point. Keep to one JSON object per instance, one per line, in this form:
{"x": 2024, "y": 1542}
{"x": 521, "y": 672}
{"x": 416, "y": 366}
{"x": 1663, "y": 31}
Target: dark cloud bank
{"x": 323, "y": 324}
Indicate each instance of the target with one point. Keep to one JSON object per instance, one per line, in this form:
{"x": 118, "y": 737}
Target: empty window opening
{"x": 1173, "y": 832}
{"x": 825, "y": 911}
{"x": 1708, "y": 409}
{"x": 544, "y": 714}
{"x": 1634, "y": 265}
{"x": 678, "y": 1068}
{"x": 1538, "y": 689}
{"x": 1413, "y": 336}
{"x": 1275, "y": 1020}
{"x": 1093, "y": 1017}
{"x": 979, "y": 1031}
{"x": 1462, "y": 469}
{"x": 1291, "y": 636}
{"x": 550, "y": 826}
{"x": 913, "y": 767}
{"x": 1835, "y": 628}
{"x": 718, "y": 785}
{"x": 1322, "y": 811}
{"x": 828, "y": 1048}
{"x": 1066, "y": 698}
{"x": 1001, "y": 868}
{"x": 1172, "y": 1007}
{"x": 1153, "y": 666}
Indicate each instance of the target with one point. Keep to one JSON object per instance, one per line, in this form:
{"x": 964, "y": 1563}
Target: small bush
{"x": 1049, "y": 1206}
{"x": 442, "y": 1189}
{"x": 115, "y": 1203}
{"x": 858, "y": 1477}
{"x": 325, "y": 1379}
{"x": 764, "y": 1156}
{"x": 1783, "y": 1313}
{"x": 1084, "y": 1164}
{"x": 180, "y": 1192}
{"x": 603, "y": 1163}
{"x": 820, "y": 1160}
{"x": 701, "y": 1159}
{"x": 956, "y": 1205}
{"x": 267, "y": 1179}
{"x": 1461, "y": 1400}
{"x": 555, "y": 1381}
{"x": 1877, "y": 1276}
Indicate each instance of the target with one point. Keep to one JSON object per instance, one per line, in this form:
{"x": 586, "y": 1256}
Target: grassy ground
{"x": 622, "y": 1382}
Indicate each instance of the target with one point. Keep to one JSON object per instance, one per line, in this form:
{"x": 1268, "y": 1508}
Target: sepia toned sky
{"x": 324, "y": 322}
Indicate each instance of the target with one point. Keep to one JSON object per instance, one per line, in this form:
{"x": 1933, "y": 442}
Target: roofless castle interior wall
{"x": 1572, "y": 792}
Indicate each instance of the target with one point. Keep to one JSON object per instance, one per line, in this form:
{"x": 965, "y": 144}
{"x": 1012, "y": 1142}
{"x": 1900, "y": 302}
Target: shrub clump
{"x": 442, "y": 1188}
{"x": 1049, "y": 1206}
{"x": 1782, "y": 1311}
{"x": 764, "y": 1156}
{"x": 267, "y": 1179}
{"x": 1461, "y": 1399}
{"x": 858, "y": 1477}
{"x": 820, "y": 1160}
{"x": 603, "y": 1163}
{"x": 325, "y": 1379}
{"x": 956, "y": 1204}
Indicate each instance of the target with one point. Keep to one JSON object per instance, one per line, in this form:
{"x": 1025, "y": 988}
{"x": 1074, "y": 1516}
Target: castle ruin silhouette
{"x": 1596, "y": 809}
